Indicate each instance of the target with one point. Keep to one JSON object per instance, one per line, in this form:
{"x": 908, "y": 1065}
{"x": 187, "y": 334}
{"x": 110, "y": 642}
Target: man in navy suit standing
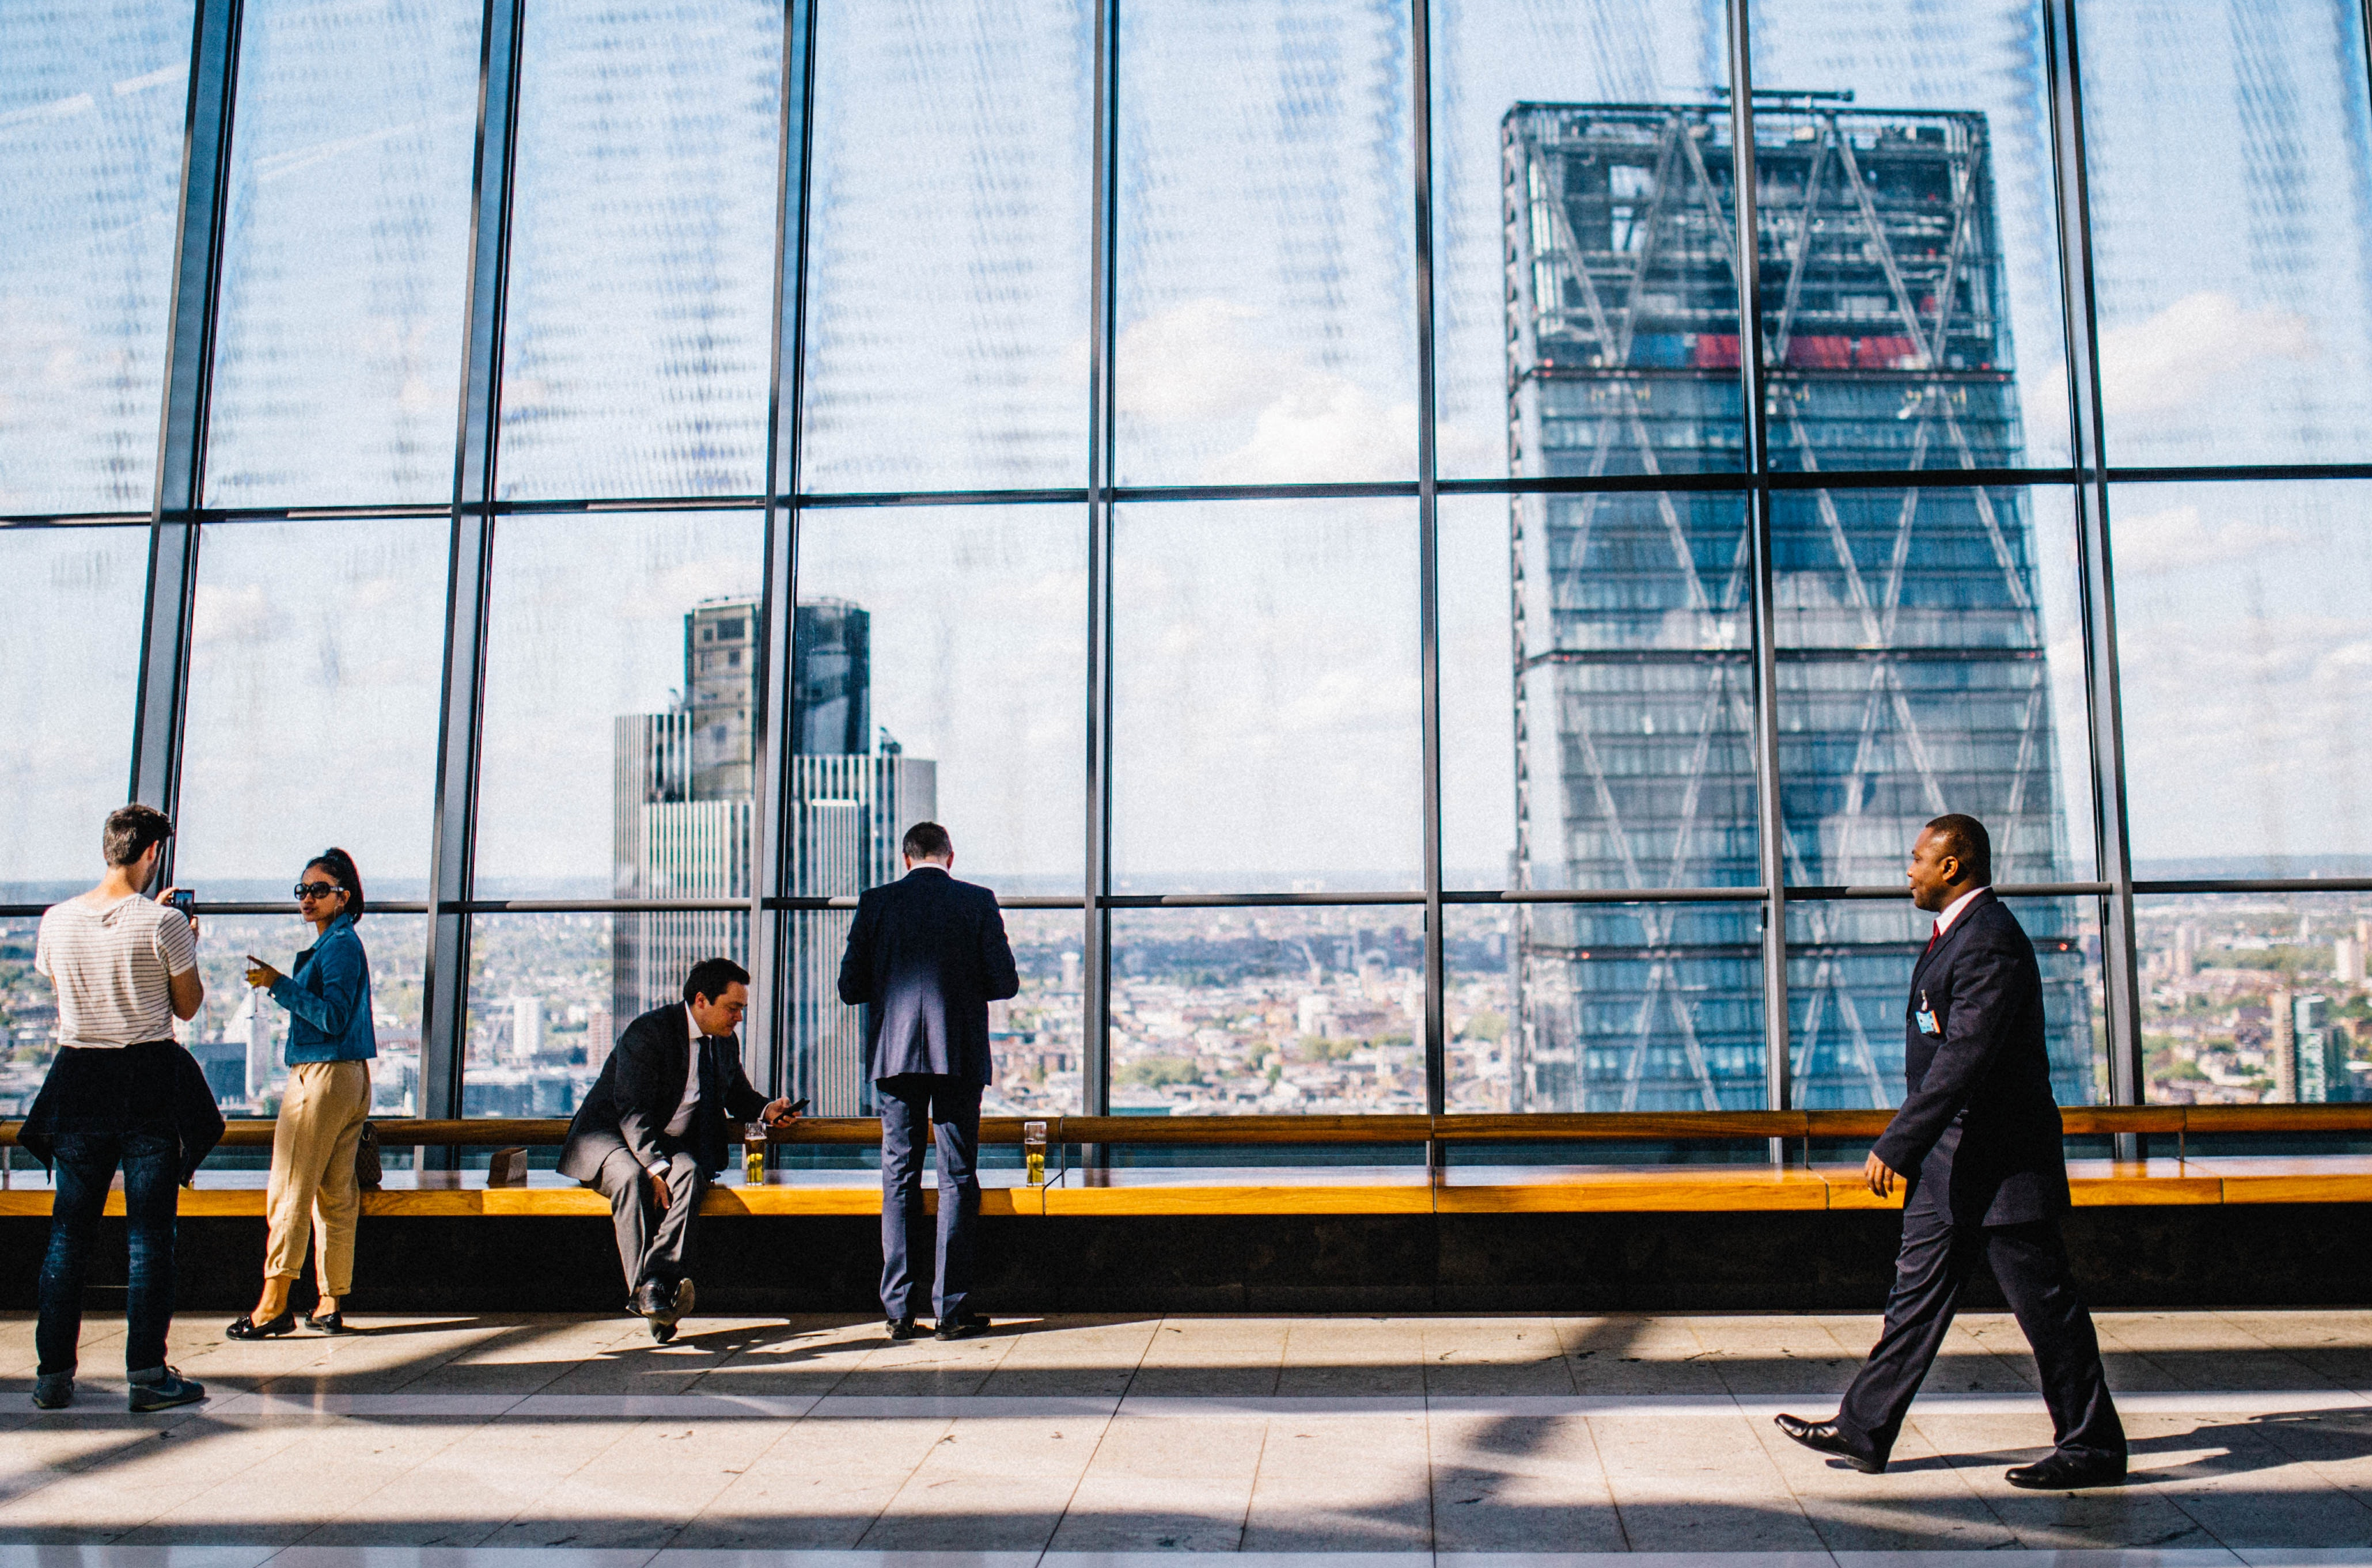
{"x": 1977, "y": 1144}
{"x": 925, "y": 958}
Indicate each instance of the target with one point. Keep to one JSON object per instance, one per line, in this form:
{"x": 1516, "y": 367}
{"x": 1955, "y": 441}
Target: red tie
{"x": 1934, "y": 932}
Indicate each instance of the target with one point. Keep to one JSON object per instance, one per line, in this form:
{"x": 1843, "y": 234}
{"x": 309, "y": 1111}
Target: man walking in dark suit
{"x": 651, "y": 1132}
{"x": 1977, "y": 1145}
{"x": 925, "y": 957}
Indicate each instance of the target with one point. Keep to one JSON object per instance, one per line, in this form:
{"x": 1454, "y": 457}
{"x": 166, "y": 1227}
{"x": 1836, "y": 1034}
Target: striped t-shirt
{"x": 112, "y": 966}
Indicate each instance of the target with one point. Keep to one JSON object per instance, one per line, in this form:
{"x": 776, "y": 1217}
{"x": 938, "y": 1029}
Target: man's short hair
{"x": 709, "y": 978}
{"x": 1965, "y": 838}
{"x": 928, "y": 840}
{"x": 130, "y": 829}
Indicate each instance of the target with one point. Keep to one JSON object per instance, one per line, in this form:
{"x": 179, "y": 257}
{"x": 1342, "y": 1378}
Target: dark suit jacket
{"x": 1979, "y": 1117}
{"x": 927, "y": 954}
{"x": 642, "y": 1084}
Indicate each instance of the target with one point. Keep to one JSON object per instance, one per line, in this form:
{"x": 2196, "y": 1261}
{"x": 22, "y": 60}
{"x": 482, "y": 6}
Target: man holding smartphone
{"x": 121, "y": 1094}
{"x": 651, "y": 1132}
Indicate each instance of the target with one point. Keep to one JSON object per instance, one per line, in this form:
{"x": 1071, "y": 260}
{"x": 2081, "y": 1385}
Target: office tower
{"x": 1911, "y": 654}
{"x": 2283, "y": 1050}
{"x": 2347, "y": 960}
{"x": 2321, "y": 1070}
{"x": 526, "y": 1027}
{"x": 686, "y": 818}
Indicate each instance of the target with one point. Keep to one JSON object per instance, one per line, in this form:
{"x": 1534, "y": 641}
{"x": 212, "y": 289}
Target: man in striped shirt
{"x": 124, "y": 967}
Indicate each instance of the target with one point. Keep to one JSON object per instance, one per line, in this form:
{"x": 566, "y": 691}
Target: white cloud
{"x": 2179, "y": 538}
{"x": 2192, "y": 349}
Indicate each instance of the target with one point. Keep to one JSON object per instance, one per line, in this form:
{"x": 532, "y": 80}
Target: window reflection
{"x": 2243, "y": 643}
{"x": 952, "y": 149}
{"x": 70, "y": 643}
{"x": 2229, "y": 164}
{"x": 344, "y": 254}
{"x": 91, "y": 113}
{"x": 639, "y": 339}
{"x": 1266, "y": 264}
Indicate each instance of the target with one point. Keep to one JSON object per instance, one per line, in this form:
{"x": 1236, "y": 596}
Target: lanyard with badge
{"x": 1927, "y": 1017}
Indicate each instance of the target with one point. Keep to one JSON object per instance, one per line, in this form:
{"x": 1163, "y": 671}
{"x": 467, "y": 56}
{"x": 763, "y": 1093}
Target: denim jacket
{"x": 329, "y": 1000}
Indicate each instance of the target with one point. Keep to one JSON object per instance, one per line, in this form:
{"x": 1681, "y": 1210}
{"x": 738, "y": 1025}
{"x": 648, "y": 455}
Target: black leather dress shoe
{"x": 680, "y": 1305}
{"x": 2068, "y": 1472}
{"x": 1827, "y": 1437}
{"x": 901, "y": 1328}
{"x": 245, "y": 1327}
{"x": 650, "y": 1300}
{"x": 967, "y": 1326}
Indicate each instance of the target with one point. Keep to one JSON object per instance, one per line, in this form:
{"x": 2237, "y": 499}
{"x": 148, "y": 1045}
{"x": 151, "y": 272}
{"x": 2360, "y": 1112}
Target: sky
{"x": 1266, "y": 670}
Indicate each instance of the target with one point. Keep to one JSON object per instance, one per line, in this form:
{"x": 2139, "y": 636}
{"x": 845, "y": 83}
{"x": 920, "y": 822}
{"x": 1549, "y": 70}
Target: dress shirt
{"x": 681, "y": 1122}
{"x": 1952, "y": 912}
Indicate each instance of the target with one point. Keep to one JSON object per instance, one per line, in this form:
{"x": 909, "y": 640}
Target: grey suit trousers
{"x": 653, "y": 1244}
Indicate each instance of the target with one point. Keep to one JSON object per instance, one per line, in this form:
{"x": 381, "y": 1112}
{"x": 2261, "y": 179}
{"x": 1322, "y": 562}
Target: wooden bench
{"x": 1438, "y": 1185}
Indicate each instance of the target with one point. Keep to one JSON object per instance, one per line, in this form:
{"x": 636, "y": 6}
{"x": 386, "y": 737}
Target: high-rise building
{"x": 1910, "y": 647}
{"x": 686, "y": 815}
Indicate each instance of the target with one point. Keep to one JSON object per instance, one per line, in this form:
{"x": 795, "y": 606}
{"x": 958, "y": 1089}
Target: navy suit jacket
{"x": 1978, "y": 1118}
{"x": 926, "y": 957}
{"x": 642, "y": 1084}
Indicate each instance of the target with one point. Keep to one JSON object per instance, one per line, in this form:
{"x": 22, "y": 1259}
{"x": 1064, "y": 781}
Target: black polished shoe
{"x": 966, "y": 1325}
{"x": 329, "y": 1323}
{"x": 901, "y": 1328}
{"x": 2069, "y": 1472}
{"x": 679, "y": 1305}
{"x": 1827, "y": 1437}
{"x": 650, "y": 1300}
{"x": 245, "y": 1327}
{"x": 662, "y": 1331}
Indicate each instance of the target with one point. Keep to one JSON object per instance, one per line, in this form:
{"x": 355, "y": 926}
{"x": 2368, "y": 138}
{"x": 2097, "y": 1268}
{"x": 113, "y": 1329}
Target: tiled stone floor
{"x": 1071, "y": 1440}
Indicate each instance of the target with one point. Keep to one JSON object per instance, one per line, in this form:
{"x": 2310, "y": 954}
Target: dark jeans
{"x": 85, "y": 1164}
{"x": 919, "y": 1110}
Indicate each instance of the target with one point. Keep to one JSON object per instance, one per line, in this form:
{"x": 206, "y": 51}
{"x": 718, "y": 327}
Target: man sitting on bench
{"x": 651, "y": 1132}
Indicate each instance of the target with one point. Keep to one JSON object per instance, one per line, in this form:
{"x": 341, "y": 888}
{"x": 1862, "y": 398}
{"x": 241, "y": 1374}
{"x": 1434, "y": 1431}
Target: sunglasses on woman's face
{"x": 316, "y": 891}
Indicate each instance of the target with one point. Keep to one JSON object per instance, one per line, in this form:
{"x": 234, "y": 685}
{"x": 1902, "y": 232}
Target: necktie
{"x": 1934, "y": 933}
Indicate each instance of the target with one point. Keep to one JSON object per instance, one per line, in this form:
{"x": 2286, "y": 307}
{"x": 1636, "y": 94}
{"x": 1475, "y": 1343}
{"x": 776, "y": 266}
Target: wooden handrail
{"x": 1544, "y": 1127}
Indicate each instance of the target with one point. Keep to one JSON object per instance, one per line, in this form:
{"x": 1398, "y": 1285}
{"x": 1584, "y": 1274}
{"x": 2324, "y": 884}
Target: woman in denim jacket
{"x": 331, "y": 1047}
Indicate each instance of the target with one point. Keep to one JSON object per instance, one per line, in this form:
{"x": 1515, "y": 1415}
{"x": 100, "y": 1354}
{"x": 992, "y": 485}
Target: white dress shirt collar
{"x": 1952, "y": 910}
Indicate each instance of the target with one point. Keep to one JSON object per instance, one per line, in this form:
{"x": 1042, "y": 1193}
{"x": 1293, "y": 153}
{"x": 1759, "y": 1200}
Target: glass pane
{"x": 1271, "y": 1011}
{"x": 550, "y": 993}
{"x": 1930, "y": 660}
{"x": 1267, "y": 304}
{"x": 1265, "y": 669}
{"x": 93, "y": 99}
{"x": 637, "y": 355}
{"x": 2242, "y": 637}
{"x": 1585, "y": 302}
{"x": 1910, "y": 253}
{"x": 947, "y": 273}
{"x": 1605, "y": 643}
{"x": 955, "y": 634}
{"x": 1478, "y": 948}
{"x": 28, "y": 1014}
{"x": 1034, "y": 1038}
{"x": 1849, "y": 964}
{"x": 2232, "y": 230}
{"x": 240, "y": 1036}
{"x": 345, "y": 263}
{"x": 611, "y": 768}
{"x": 2255, "y": 998}
{"x": 70, "y": 642}
{"x": 1635, "y": 1007}
{"x": 316, "y": 670}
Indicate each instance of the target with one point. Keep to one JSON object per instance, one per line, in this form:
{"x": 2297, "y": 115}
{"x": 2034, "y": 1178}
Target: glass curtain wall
{"x": 1414, "y": 598}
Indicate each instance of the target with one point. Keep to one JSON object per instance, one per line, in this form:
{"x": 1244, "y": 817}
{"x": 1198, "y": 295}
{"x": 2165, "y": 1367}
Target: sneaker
{"x": 52, "y": 1391}
{"x": 162, "y": 1389}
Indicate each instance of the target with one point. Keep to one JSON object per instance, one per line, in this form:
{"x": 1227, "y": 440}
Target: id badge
{"x": 1925, "y": 1017}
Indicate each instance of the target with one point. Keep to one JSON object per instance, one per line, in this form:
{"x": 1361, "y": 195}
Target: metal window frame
{"x": 178, "y": 516}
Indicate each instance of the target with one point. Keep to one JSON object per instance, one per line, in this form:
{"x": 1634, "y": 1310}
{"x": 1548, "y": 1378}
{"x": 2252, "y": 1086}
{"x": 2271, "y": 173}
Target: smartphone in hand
{"x": 186, "y": 901}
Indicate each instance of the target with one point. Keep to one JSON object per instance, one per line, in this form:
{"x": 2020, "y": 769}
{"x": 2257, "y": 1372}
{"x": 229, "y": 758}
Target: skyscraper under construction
{"x": 1910, "y": 649}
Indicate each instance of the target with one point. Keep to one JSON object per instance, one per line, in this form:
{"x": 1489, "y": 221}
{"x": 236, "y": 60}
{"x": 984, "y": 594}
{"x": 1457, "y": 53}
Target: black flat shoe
{"x": 1827, "y": 1437}
{"x": 901, "y": 1328}
{"x": 329, "y": 1323}
{"x": 245, "y": 1327}
{"x": 2067, "y": 1472}
{"x": 970, "y": 1326}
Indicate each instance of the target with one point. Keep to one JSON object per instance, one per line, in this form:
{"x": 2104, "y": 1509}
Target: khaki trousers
{"x": 313, "y": 1191}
